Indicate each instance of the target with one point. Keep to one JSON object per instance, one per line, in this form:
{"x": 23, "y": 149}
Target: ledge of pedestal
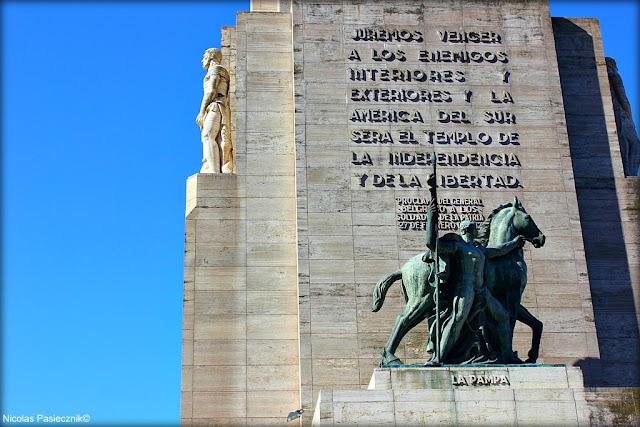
{"x": 215, "y": 192}
{"x": 457, "y": 377}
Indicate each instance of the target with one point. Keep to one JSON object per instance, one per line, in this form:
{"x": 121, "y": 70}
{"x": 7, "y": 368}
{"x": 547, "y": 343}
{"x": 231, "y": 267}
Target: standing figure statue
{"x": 214, "y": 118}
{"x": 627, "y": 135}
{"x": 465, "y": 277}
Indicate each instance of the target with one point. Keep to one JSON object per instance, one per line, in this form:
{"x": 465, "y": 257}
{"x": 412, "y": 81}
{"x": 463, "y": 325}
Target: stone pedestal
{"x": 488, "y": 395}
{"x": 240, "y": 346}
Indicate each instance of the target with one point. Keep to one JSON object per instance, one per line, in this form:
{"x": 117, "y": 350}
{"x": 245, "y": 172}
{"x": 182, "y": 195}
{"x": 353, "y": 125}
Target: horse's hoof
{"x": 531, "y": 360}
{"x": 432, "y": 364}
{"x": 390, "y": 360}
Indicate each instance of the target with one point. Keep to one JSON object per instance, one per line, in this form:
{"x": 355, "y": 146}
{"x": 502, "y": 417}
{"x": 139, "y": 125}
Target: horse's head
{"x": 526, "y": 226}
{"x": 508, "y": 221}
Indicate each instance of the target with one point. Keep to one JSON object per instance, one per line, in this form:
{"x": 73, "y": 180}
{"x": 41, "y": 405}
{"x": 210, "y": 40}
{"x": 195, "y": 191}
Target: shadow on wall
{"x": 606, "y": 255}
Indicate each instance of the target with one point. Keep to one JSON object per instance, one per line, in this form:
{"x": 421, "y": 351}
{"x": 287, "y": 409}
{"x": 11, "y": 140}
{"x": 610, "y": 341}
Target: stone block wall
{"x": 240, "y": 333}
{"x": 265, "y": 6}
{"x": 349, "y": 236}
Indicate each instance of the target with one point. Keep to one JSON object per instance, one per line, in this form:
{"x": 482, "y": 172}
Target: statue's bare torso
{"x": 214, "y": 119}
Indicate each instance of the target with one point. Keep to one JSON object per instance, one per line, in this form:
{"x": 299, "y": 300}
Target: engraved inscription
{"x": 383, "y": 35}
{"x": 411, "y": 212}
{"x": 479, "y": 380}
{"x": 405, "y": 100}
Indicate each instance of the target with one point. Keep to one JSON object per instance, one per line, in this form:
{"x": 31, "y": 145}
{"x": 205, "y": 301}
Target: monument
{"x": 467, "y": 152}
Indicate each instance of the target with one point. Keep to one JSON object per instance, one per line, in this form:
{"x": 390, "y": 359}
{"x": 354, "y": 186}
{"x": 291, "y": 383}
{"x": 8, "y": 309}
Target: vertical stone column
{"x": 214, "y": 372}
{"x": 240, "y": 333}
{"x": 265, "y": 94}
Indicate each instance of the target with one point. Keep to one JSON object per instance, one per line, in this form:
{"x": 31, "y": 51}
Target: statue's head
{"x": 612, "y": 67}
{"x": 468, "y": 230}
{"x": 211, "y": 54}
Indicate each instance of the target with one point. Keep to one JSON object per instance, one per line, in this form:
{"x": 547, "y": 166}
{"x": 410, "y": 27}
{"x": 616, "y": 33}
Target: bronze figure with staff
{"x": 446, "y": 285}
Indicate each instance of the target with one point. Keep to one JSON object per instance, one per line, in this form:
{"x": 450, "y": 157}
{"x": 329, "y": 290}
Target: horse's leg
{"x": 412, "y": 314}
{"x": 504, "y": 332}
{"x": 536, "y": 327}
{"x": 513, "y": 299}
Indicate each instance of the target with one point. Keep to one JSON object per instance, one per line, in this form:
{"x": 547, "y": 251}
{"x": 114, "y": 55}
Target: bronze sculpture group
{"x": 468, "y": 287}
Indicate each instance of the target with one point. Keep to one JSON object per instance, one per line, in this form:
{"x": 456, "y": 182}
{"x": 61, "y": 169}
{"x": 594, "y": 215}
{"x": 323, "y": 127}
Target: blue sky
{"x": 619, "y": 27}
{"x": 99, "y": 102}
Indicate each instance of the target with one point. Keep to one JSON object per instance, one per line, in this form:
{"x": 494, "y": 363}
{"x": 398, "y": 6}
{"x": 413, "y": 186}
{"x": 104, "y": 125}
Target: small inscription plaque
{"x": 411, "y": 212}
{"x": 479, "y": 380}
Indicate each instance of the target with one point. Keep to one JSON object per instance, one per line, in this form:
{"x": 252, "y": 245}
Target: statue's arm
{"x": 505, "y": 248}
{"x": 431, "y": 233}
{"x": 209, "y": 91}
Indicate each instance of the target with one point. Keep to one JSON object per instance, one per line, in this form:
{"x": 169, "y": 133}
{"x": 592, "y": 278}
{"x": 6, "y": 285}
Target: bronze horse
{"x": 505, "y": 278}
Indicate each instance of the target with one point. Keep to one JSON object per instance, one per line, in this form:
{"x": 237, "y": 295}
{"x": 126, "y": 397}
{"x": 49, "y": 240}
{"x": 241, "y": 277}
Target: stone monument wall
{"x": 378, "y": 86}
{"x": 608, "y": 203}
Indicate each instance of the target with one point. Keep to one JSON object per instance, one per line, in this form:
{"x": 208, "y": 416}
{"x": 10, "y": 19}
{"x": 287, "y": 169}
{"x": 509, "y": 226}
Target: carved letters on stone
{"x": 479, "y": 380}
{"x": 425, "y": 106}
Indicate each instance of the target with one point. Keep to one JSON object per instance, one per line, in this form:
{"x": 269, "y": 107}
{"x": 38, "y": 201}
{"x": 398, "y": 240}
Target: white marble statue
{"x": 214, "y": 118}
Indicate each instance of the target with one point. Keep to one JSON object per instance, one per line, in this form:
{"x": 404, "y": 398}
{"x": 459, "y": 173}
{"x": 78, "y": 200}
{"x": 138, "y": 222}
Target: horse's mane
{"x": 485, "y": 228}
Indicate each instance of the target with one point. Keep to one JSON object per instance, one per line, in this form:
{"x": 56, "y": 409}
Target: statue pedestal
{"x": 486, "y": 395}
{"x": 240, "y": 328}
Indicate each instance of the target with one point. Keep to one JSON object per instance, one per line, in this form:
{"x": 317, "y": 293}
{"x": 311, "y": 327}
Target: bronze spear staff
{"x": 434, "y": 197}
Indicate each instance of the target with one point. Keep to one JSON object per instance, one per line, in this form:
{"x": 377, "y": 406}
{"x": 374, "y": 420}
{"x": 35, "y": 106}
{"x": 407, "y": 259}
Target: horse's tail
{"x": 380, "y": 291}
